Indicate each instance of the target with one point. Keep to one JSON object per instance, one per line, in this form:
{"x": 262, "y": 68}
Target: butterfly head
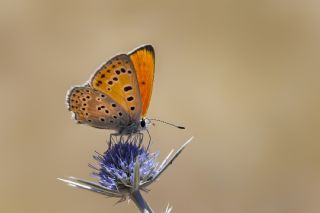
{"x": 135, "y": 127}
{"x": 144, "y": 123}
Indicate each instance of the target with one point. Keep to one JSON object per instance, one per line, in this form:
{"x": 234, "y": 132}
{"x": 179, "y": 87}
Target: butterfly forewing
{"x": 143, "y": 60}
{"x": 117, "y": 79}
{"x": 96, "y": 109}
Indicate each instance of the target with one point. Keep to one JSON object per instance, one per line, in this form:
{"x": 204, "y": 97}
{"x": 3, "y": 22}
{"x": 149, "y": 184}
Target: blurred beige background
{"x": 242, "y": 76}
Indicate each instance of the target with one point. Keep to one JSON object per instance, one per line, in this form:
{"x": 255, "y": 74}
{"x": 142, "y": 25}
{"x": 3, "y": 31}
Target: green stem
{"x": 140, "y": 202}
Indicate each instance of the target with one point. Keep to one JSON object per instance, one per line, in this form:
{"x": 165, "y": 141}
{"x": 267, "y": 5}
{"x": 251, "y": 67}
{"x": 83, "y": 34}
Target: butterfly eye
{"x": 143, "y": 123}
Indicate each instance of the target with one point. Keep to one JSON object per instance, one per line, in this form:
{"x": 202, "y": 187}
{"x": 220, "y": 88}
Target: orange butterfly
{"x": 117, "y": 96}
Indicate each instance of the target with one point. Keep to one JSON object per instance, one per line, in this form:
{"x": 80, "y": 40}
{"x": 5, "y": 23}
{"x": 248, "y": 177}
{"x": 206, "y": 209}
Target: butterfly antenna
{"x": 179, "y": 127}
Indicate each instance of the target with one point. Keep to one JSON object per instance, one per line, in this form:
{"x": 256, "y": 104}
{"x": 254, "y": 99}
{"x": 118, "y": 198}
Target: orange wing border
{"x": 143, "y": 60}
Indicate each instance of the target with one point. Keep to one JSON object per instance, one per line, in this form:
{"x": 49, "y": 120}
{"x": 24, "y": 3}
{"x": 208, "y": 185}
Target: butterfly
{"x": 117, "y": 95}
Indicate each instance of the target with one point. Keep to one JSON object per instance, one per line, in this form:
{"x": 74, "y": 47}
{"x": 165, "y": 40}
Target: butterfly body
{"x": 117, "y": 95}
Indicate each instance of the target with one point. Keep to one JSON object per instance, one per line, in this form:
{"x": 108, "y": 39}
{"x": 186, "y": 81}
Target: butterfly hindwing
{"x": 117, "y": 79}
{"x": 96, "y": 109}
{"x": 143, "y": 59}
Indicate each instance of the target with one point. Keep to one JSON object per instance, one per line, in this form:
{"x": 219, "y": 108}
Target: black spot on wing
{"x": 127, "y": 88}
{"x": 130, "y": 98}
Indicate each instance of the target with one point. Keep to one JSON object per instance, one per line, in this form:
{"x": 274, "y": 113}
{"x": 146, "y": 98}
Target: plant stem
{"x": 140, "y": 202}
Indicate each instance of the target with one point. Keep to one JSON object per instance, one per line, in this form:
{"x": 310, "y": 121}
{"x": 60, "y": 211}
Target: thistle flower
{"x": 126, "y": 168}
{"x": 118, "y": 164}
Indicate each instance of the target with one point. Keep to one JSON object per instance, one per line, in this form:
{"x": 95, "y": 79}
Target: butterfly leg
{"x": 135, "y": 137}
{"x": 149, "y": 142}
{"x": 113, "y": 138}
{"x": 123, "y": 137}
{"x": 138, "y": 137}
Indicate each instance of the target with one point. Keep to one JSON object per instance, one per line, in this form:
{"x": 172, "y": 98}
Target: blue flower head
{"x": 118, "y": 163}
{"x": 125, "y": 168}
